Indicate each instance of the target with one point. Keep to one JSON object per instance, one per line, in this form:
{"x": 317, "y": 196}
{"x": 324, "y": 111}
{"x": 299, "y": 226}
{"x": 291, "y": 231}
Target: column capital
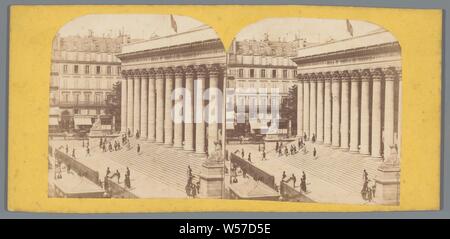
{"x": 313, "y": 77}
{"x": 130, "y": 73}
{"x": 189, "y": 71}
{"x": 366, "y": 75}
{"x": 306, "y": 77}
{"x": 377, "y": 74}
{"x": 390, "y": 74}
{"x": 169, "y": 72}
{"x": 336, "y": 76}
{"x": 214, "y": 70}
{"x": 320, "y": 77}
{"x": 138, "y": 73}
{"x": 345, "y": 76}
{"x": 355, "y": 75}
{"x": 201, "y": 71}
{"x": 151, "y": 73}
{"x": 124, "y": 73}
{"x": 179, "y": 72}
{"x": 328, "y": 76}
{"x": 160, "y": 73}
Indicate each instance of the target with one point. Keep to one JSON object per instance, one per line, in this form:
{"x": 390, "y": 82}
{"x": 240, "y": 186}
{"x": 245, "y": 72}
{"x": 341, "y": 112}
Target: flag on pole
{"x": 349, "y": 28}
{"x": 173, "y": 23}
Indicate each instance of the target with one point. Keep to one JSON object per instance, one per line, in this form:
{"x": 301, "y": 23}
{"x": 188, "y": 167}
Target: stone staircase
{"x": 335, "y": 166}
{"x": 159, "y": 162}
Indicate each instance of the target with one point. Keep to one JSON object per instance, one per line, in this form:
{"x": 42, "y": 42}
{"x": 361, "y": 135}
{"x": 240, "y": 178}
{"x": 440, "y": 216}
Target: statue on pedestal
{"x": 97, "y": 124}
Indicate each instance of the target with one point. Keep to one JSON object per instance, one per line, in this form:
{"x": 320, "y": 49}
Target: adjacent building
{"x": 262, "y": 73}
{"x": 83, "y": 72}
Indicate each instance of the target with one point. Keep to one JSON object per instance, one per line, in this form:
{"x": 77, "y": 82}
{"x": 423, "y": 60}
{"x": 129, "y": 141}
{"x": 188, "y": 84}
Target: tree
{"x": 288, "y": 109}
{"x": 113, "y": 104}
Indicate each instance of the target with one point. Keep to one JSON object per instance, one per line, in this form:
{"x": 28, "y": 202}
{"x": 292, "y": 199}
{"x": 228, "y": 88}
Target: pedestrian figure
{"x": 189, "y": 172}
{"x": 264, "y": 155}
{"x": 110, "y": 147}
{"x": 276, "y": 147}
{"x": 249, "y": 157}
{"x": 294, "y": 179}
{"x": 286, "y": 151}
{"x": 374, "y": 188}
{"x": 313, "y": 138}
{"x": 305, "y": 137}
{"x": 365, "y": 176}
{"x": 242, "y": 153}
{"x": 67, "y": 149}
{"x": 138, "y": 148}
{"x": 73, "y": 153}
{"x": 127, "y": 181}
{"x": 128, "y": 172}
{"x": 315, "y": 153}
{"x": 259, "y": 148}
{"x": 283, "y": 176}
{"x": 118, "y": 176}
{"x": 129, "y": 133}
{"x": 107, "y": 171}
{"x": 88, "y": 153}
{"x": 83, "y": 143}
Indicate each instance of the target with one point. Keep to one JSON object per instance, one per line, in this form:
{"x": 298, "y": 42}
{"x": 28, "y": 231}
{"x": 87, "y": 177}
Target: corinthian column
{"x": 144, "y": 105}
{"x": 137, "y": 102}
{"x": 354, "y": 111}
{"x": 327, "y": 106}
{"x": 160, "y": 106}
{"x": 320, "y": 106}
{"x": 123, "y": 103}
{"x": 200, "y": 128}
{"x": 389, "y": 77}
{"x": 151, "y": 105}
{"x": 376, "y": 113}
{"x": 299, "y": 107}
{"x": 345, "y": 104}
{"x": 178, "y": 109}
{"x": 189, "y": 110}
{"x": 336, "y": 109}
{"x": 130, "y": 104}
{"x": 365, "y": 117}
{"x": 213, "y": 108}
{"x": 168, "y": 121}
{"x": 306, "y": 105}
{"x": 312, "y": 105}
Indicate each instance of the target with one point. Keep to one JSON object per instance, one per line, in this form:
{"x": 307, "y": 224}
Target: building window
{"x": 98, "y": 70}
{"x": 118, "y": 70}
{"x": 241, "y": 73}
{"x": 274, "y": 73}
{"x": 99, "y": 111}
{"x": 108, "y": 70}
{"x": 252, "y": 73}
{"x": 263, "y": 73}
{"x": 75, "y": 69}
{"x": 295, "y": 73}
{"x": 87, "y": 97}
{"x": 66, "y": 97}
{"x": 86, "y": 69}
{"x": 285, "y": 75}
{"x": 76, "y": 111}
{"x": 65, "y": 68}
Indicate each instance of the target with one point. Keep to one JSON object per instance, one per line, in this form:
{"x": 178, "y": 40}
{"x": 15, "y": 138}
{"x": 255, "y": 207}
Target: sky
{"x": 314, "y": 30}
{"x": 143, "y": 26}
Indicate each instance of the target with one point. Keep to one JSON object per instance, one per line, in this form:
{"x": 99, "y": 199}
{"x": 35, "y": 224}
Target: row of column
{"x": 166, "y": 105}
{"x": 335, "y": 107}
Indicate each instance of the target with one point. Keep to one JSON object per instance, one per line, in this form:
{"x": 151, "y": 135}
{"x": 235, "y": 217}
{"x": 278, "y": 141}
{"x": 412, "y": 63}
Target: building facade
{"x": 262, "y": 74}
{"x": 84, "y": 70}
{"x": 167, "y": 84}
{"x": 349, "y": 93}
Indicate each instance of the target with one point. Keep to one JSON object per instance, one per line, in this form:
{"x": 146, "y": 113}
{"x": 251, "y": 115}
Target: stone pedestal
{"x": 388, "y": 180}
{"x": 212, "y": 175}
{"x": 211, "y": 179}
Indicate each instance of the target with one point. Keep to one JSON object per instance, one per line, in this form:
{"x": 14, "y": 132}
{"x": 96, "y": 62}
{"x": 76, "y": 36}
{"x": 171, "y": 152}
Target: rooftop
{"x": 198, "y": 34}
{"x": 373, "y": 38}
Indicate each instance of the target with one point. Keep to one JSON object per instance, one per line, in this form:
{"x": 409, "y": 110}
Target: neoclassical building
{"x": 349, "y": 93}
{"x": 155, "y": 71}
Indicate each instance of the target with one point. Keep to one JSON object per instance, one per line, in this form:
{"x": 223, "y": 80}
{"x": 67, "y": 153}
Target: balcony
{"x": 78, "y": 103}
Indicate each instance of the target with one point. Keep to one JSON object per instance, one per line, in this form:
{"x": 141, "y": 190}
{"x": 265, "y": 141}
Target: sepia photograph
{"x": 156, "y": 106}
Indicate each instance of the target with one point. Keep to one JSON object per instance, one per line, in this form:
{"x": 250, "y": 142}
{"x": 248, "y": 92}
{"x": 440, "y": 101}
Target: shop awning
{"x": 52, "y": 121}
{"x": 82, "y": 121}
